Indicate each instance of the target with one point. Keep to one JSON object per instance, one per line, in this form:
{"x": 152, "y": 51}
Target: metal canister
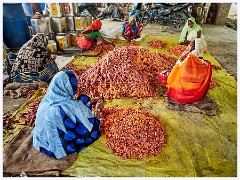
{"x": 73, "y": 37}
{"x": 69, "y": 9}
{"x": 85, "y": 22}
{"x": 89, "y": 20}
{"x": 63, "y": 40}
{"x": 52, "y": 36}
{"x": 204, "y": 20}
{"x": 56, "y": 9}
{"x": 39, "y": 26}
{"x": 80, "y": 23}
{"x": 52, "y": 45}
{"x": 206, "y": 9}
{"x": 70, "y": 23}
{"x": 59, "y": 24}
{"x": 199, "y": 10}
{"x": 48, "y": 19}
{"x": 68, "y": 39}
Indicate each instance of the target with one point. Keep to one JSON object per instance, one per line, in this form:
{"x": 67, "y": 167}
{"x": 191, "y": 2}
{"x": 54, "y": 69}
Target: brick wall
{"x": 222, "y": 13}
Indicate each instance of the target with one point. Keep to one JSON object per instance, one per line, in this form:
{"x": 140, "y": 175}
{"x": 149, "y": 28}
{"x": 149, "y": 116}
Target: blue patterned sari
{"x": 63, "y": 125}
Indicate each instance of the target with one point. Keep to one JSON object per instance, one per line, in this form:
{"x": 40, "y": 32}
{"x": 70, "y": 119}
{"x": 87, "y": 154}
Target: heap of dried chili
{"x": 132, "y": 133}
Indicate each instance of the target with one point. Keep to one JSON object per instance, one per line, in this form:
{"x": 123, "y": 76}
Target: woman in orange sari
{"x": 190, "y": 78}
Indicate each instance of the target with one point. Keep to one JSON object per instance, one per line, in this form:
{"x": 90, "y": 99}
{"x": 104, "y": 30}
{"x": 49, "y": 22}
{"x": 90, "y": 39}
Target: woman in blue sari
{"x": 64, "y": 125}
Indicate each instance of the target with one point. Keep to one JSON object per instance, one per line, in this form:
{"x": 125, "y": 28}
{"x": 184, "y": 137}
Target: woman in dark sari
{"x": 34, "y": 61}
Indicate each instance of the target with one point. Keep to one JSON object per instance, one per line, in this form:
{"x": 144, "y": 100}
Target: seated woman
{"x": 190, "y": 32}
{"x": 64, "y": 122}
{"x": 90, "y": 36}
{"x": 190, "y": 78}
{"x": 132, "y": 29}
{"x": 34, "y": 61}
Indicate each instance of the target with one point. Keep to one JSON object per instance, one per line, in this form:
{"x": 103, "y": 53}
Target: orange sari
{"x": 189, "y": 80}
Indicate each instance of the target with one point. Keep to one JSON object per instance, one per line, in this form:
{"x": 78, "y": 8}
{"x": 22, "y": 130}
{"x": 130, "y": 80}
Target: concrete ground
{"x": 221, "y": 41}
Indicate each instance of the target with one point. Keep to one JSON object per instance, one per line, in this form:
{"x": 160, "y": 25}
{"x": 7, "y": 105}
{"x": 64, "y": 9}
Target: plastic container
{"x": 15, "y": 27}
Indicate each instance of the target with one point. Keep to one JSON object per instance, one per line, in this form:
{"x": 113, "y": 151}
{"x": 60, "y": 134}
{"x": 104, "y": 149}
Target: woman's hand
{"x": 75, "y": 97}
{"x": 98, "y": 108}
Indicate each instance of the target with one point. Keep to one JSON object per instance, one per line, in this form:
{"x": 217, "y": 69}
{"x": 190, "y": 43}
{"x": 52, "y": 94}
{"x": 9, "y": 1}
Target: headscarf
{"x": 34, "y": 61}
{"x": 49, "y": 119}
{"x": 131, "y": 18}
{"x": 186, "y": 29}
{"x": 200, "y": 47}
{"x": 96, "y": 25}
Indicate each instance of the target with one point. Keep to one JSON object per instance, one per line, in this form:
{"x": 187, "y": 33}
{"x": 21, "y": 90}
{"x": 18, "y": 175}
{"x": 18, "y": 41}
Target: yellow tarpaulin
{"x": 197, "y": 144}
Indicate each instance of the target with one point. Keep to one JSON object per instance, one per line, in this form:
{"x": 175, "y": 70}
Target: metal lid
{"x": 61, "y": 34}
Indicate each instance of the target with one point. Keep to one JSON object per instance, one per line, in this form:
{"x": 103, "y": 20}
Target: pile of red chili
{"x": 178, "y": 50}
{"x": 29, "y": 116}
{"x": 132, "y": 133}
{"x": 157, "y": 44}
{"x": 128, "y": 71}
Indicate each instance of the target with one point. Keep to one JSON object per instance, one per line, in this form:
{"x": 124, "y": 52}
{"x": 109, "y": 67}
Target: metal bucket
{"x": 52, "y": 45}
{"x": 80, "y": 23}
{"x": 59, "y": 24}
{"x": 70, "y": 23}
{"x": 15, "y": 27}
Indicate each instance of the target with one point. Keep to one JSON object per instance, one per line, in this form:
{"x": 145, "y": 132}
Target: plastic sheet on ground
{"x": 197, "y": 145}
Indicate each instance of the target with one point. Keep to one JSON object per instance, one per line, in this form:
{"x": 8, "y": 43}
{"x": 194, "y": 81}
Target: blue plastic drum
{"x": 15, "y": 26}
